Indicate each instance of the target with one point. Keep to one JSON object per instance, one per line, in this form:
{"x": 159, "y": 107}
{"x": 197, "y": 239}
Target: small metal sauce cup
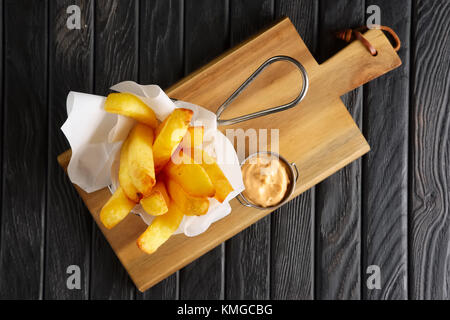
{"x": 292, "y": 172}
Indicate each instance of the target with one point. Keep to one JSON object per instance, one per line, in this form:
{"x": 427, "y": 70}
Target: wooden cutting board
{"x": 319, "y": 134}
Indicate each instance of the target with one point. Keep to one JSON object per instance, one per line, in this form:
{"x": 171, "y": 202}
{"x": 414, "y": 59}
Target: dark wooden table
{"x": 391, "y": 208}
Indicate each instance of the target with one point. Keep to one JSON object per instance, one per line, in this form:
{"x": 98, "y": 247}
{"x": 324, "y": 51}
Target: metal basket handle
{"x": 293, "y": 103}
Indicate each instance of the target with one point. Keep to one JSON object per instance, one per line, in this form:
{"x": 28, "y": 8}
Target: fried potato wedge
{"x": 154, "y": 204}
{"x": 169, "y": 135}
{"x": 131, "y": 106}
{"x": 124, "y": 176}
{"x": 161, "y": 187}
{"x": 116, "y": 209}
{"x": 218, "y": 179}
{"x": 157, "y": 203}
{"x": 140, "y": 159}
{"x": 191, "y": 176}
{"x": 160, "y": 230}
{"x": 193, "y": 138}
{"x": 189, "y": 205}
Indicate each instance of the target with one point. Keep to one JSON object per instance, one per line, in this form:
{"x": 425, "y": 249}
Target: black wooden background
{"x": 390, "y": 208}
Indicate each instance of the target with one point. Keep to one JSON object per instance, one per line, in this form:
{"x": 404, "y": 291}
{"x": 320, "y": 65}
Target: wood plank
{"x": 292, "y": 238}
{"x": 2, "y": 101}
{"x": 430, "y": 152}
{"x": 116, "y": 52}
{"x": 338, "y": 199}
{"x": 206, "y": 36}
{"x": 247, "y": 255}
{"x": 327, "y": 140}
{"x": 161, "y": 42}
{"x": 161, "y": 62}
{"x": 24, "y": 150}
{"x": 69, "y": 224}
{"x": 385, "y": 168}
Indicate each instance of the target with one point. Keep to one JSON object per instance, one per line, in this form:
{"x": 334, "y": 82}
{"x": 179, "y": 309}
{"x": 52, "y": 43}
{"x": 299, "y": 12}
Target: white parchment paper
{"x": 96, "y": 136}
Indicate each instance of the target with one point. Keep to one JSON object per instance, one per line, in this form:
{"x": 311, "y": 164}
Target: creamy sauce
{"x": 266, "y": 180}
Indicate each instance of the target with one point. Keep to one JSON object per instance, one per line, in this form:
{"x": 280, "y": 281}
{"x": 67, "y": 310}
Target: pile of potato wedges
{"x": 164, "y": 169}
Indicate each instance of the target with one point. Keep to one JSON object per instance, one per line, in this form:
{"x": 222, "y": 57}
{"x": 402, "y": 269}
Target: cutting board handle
{"x": 354, "y": 66}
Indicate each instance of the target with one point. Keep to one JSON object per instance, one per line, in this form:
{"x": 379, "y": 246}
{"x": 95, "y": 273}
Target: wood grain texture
{"x": 292, "y": 236}
{"x": 69, "y": 224}
{"x": 161, "y": 42}
{"x": 116, "y": 52}
{"x": 24, "y": 150}
{"x": 161, "y": 62}
{"x": 292, "y": 263}
{"x": 385, "y": 168}
{"x": 338, "y": 199}
{"x": 247, "y": 263}
{"x": 2, "y": 102}
{"x": 328, "y": 140}
{"x": 430, "y": 152}
{"x": 206, "y": 36}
